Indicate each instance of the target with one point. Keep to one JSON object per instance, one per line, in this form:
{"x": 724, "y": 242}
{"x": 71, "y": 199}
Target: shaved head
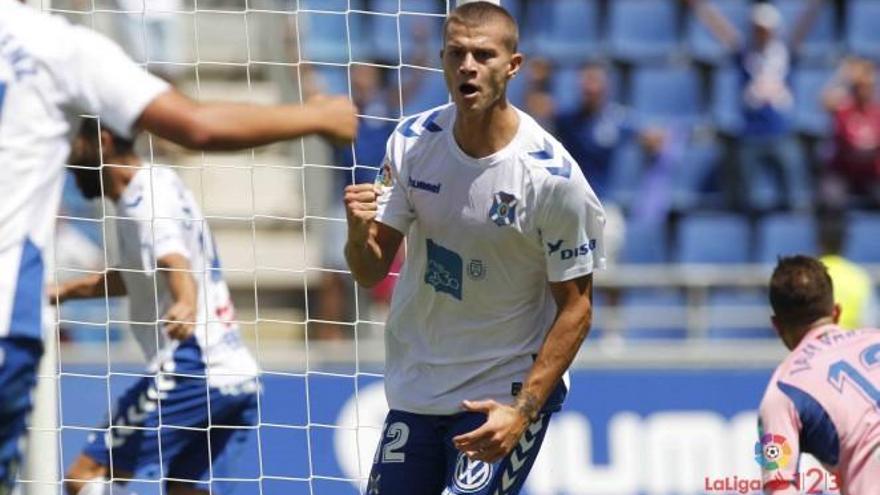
{"x": 481, "y": 13}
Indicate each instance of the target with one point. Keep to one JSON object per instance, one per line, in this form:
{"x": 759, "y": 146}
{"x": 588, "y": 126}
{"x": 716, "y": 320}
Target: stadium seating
{"x": 736, "y": 314}
{"x": 644, "y": 242}
{"x": 641, "y": 30}
{"x": 863, "y": 238}
{"x": 809, "y": 116}
{"x": 653, "y": 314}
{"x": 785, "y": 234}
{"x": 821, "y": 41}
{"x": 693, "y": 176}
{"x": 320, "y": 34}
{"x": 570, "y": 33}
{"x": 862, "y": 36}
{"x": 702, "y": 44}
{"x": 713, "y": 238}
{"x": 666, "y": 95}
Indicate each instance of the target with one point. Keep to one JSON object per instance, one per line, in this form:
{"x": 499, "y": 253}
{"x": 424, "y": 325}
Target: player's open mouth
{"x": 468, "y": 89}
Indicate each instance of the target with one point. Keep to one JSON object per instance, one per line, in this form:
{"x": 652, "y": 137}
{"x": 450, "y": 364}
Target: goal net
{"x": 277, "y": 218}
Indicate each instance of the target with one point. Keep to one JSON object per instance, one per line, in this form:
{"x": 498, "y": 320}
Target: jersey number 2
{"x": 397, "y": 435}
{"x": 870, "y": 359}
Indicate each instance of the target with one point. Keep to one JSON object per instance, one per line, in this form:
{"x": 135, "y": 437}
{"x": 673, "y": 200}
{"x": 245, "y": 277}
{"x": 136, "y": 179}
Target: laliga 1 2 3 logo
{"x": 772, "y": 452}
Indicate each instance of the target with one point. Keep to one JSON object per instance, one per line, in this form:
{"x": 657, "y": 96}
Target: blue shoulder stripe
{"x": 428, "y": 125}
{"x": 818, "y": 435}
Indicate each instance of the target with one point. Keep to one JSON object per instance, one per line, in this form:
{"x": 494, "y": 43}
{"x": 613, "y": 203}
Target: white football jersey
{"x": 158, "y": 216}
{"x": 50, "y": 71}
{"x": 484, "y": 239}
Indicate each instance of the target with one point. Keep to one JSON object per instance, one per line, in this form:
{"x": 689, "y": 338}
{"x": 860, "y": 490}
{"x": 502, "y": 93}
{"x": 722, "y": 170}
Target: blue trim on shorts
{"x": 19, "y": 359}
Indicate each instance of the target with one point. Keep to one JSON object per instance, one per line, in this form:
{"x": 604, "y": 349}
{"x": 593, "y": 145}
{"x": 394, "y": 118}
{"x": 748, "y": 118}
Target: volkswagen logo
{"x": 471, "y": 475}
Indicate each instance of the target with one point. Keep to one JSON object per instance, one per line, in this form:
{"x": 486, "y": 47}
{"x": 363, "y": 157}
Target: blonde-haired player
{"x": 494, "y": 300}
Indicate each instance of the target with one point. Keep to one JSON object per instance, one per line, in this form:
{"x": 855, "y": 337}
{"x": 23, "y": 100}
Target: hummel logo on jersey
{"x": 424, "y": 186}
{"x": 554, "y": 246}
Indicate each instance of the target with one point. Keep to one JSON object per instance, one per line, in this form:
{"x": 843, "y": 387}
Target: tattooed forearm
{"x": 527, "y": 404}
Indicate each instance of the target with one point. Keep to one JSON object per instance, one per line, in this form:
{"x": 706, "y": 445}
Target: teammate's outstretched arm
{"x": 505, "y": 423}
{"x": 109, "y": 284}
{"x": 371, "y": 245}
{"x": 230, "y": 126}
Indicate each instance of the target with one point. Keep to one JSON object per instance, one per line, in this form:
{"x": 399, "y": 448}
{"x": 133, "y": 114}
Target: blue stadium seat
{"x": 862, "y": 34}
{"x": 713, "y": 238}
{"x": 702, "y": 44}
{"x": 821, "y": 41}
{"x": 863, "y": 238}
{"x": 653, "y": 314}
{"x": 726, "y": 100}
{"x": 738, "y": 315}
{"x": 699, "y": 164}
{"x": 571, "y": 31}
{"x": 644, "y": 242}
{"x": 809, "y": 115}
{"x": 640, "y": 30}
{"x": 666, "y": 95}
{"x": 324, "y": 37}
{"x": 785, "y": 234}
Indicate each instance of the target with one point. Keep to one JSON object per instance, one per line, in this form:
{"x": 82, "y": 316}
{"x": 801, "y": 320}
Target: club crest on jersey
{"x": 383, "y": 178}
{"x": 471, "y": 475}
{"x": 476, "y": 269}
{"x": 503, "y": 211}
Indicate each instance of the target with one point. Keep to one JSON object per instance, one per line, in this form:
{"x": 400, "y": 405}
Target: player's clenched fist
{"x": 361, "y": 205}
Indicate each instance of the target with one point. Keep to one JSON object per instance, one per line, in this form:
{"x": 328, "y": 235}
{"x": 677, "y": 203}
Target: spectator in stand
{"x": 539, "y": 101}
{"x": 767, "y": 142}
{"x": 853, "y": 174}
{"x": 853, "y": 289}
{"x": 596, "y": 130}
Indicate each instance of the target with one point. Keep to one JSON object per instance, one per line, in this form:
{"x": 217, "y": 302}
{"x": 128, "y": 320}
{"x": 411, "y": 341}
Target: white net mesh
{"x": 277, "y": 219}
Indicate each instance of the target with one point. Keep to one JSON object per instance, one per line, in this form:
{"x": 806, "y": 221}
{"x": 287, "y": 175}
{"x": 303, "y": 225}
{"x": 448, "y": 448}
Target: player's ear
{"x": 516, "y": 61}
{"x": 108, "y": 147}
{"x": 836, "y": 312}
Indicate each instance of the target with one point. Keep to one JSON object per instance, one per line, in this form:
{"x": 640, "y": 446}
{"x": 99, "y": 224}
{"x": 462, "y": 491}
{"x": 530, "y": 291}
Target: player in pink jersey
{"x": 824, "y": 399}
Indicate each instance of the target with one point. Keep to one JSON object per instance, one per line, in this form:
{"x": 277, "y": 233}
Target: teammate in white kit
{"x": 824, "y": 399}
{"x": 182, "y": 316}
{"x": 494, "y": 300}
{"x": 50, "y": 72}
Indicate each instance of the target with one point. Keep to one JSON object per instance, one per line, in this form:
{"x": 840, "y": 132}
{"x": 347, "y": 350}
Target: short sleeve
{"x": 163, "y": 222}
{"x": 778, "y": 446}
{"x": 101, "y": 79}
{"x": 395, "y": 209}
{"x": 571, "y": 226}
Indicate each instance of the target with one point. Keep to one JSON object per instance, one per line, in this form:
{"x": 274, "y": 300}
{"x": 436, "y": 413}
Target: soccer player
{"x": 49, "y": 72}
{"x": 160, "y": 229}
{"x": 494, "y": 299}
{"x": 824, "y": 397}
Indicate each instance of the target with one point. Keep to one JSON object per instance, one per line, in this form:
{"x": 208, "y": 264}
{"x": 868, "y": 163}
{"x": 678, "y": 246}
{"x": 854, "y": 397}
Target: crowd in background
{"x": 672, "y": 108}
